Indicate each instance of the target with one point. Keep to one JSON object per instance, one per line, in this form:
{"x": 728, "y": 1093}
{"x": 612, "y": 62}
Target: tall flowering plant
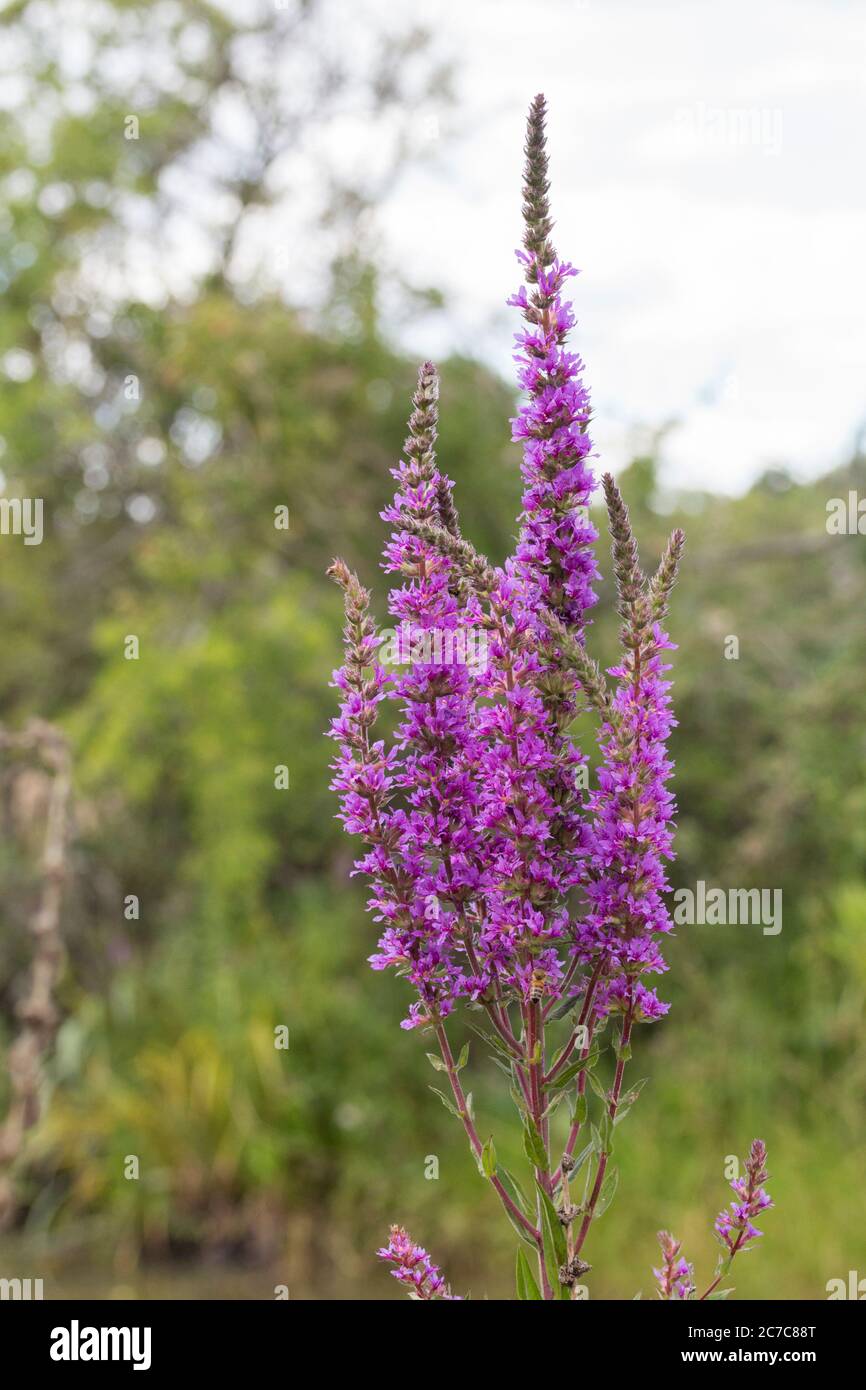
{"x": 504, "y": 879}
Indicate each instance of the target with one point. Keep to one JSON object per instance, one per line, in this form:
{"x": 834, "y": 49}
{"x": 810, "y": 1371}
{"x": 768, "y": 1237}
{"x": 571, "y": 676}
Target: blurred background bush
{"x": 163, "y": 398}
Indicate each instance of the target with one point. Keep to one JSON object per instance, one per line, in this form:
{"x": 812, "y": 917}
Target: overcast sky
{"x": 707, "y": 166}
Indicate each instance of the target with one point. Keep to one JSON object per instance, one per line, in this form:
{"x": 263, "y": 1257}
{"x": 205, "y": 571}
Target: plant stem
{"x": 572, "y": 1042}
{"x": 472, "y": 1134}
{"x": 611, "y": 1110}
{"x": 574, "y": 1131}
{"x": 723, "y": 1272}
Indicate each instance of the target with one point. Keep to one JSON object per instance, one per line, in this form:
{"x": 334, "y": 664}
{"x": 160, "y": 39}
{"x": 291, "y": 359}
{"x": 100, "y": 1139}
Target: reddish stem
{"x": 472, "y": 1134}
{"x": 611, "y": 1110}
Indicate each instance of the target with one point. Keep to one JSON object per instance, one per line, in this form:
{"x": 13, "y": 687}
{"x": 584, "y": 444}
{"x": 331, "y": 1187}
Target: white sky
{"x": 708, "y": 179}
{"x": 707, "y": 166}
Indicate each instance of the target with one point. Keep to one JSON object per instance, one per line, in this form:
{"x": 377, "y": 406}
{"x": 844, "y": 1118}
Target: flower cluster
{"x": 438, "y": 831}
{"x": 530, "y": 771}
{"x": 734, "y": 1225}
{"x": 472, "y": 865}
{"x": 414, "y": 1268}
{"x": 676, "y": 1278}
{"x": 554, "y": 554}
{"x": 504, "y": 875}
{"x": 633, "y": 808}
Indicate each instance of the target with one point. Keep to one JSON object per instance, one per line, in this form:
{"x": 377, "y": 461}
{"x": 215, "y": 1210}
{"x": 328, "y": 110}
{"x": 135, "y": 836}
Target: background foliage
{"x": 287, "y": 1166}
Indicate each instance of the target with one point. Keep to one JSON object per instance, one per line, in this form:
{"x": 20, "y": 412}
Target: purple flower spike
{"x": 676, "y": 1278}
{"x": 504, "y": 876}
{"x": 734, "y": 1229}
{"x": 734, "y": 1226}
{"x": 633, "y": 809}
{"x": 415, "y": 1269}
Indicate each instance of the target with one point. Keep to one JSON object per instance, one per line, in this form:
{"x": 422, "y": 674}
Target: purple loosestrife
{"x": 533, "y": 840}
{"x": 504, "y": 880}
{"x": 412, "y": 804}
{"x": 633, "y": 809}
{"x": 364, "y": 769}
{"x": 734, "y": 1229}
{"x": 631, "y": 815}
{"x": 415, "y": 1269}
{"x": 554, "y": 556}
{"x": 435, "y": 739}
{"x": 734, "y": 1226}
{"x": 366, "y": 774}
{"x": 531, "y": 802}
{"x": 676, "y": 1277}
{"x": 554, "y": 560}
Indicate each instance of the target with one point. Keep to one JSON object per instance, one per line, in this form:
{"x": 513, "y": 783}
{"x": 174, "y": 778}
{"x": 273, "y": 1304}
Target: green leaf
{"x": 719, "y": 1293}
{"x": 564, "y": 1008}
{"x": 579, "y": 1110}
{"x": 520, "y": 1231}
{"x": 449, "y": 1105}
{"x": 554, "y": 1104}
{"x": 470, "y": 1108}
{"x": 629, "y": 1099}
{"x": 580, "y": 1160}
{"x": 533, "y": 1145}
{"x": 553, "y": 1233}
{"x": 514, "y": 1190}
{"x": 436, "y": 1062}
{"x": 463, "y": 1058}
{"x": 488, "y": 1158}
{"x": 493, "y": 1040}
{"x": 598, "y": 1088}
{"x": 606, "y": 1133}
{"x": 606, "y": 1195}
{"x": 588, "y": 1181}
{"x": 519, "y": 1100}
{"x": 553, "y": 1229}
{"x": 527, "y": 1288}
{"x": 573, "y": 1069}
